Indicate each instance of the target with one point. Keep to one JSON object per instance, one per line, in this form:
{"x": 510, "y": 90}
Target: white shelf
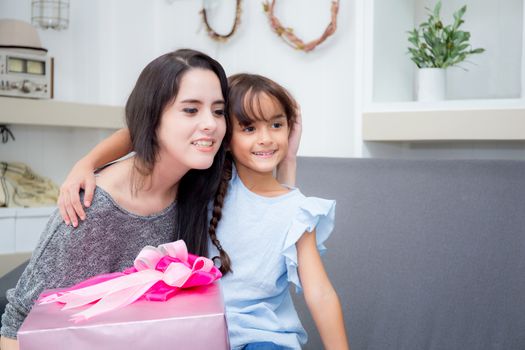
{"x": 447, "y": 105}
{"x": 490, "y": 120}
{"x": 388, "y": 76}
{"x": 57, "y": 113}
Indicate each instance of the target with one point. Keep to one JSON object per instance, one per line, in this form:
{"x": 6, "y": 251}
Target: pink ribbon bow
{"x": 157, "y": 275}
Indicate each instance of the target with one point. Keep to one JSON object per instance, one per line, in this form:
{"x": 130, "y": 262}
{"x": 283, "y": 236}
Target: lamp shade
{"x": 52, "y": 14}
{"x": 18, "y": 34}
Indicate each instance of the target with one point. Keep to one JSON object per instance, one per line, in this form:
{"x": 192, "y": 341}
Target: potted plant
{"x": 435, "y": 47}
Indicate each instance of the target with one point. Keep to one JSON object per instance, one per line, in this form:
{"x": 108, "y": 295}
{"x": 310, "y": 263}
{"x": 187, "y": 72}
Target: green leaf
{"x": 438, "y": 45}
{"x": 479, "y": 50}
{"x": 437, "y": 9}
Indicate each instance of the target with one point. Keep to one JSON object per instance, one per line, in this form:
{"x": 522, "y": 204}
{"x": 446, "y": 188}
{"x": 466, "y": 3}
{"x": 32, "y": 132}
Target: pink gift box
{"x": 192, "y": 319}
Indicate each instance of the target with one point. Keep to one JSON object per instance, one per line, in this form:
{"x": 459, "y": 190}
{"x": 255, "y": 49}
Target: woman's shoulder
{"x": 102, "y": 200}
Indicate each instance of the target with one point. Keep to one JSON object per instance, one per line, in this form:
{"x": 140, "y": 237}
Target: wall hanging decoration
{"x": 52, "y": 14}
{"x": 5, "y": 133}
{"x": 211, "y": 32}
{"x": 435, "y": 47}
{"x": 287, "y": 34}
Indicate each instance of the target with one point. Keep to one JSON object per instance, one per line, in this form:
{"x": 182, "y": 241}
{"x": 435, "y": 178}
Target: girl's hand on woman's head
{"x": 286, "y": 169}
{"x": 294, "y": 139}
{"x": 80, "y": 177}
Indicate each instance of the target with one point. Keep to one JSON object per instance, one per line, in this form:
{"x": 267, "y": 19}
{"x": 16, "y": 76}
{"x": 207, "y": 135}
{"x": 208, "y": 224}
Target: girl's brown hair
{"x": 225, "y": 262}
{"x": 244, "y": 105}
{"x": 244, "y": 98}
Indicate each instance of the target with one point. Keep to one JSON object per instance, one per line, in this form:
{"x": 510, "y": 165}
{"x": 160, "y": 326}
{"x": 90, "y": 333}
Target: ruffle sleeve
{"x": 313, "y": 213}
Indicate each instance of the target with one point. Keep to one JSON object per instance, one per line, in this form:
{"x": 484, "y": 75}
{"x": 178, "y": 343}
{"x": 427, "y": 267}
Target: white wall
{"x": 392, "y": 69}
{"x": 108, "y": 42}
{"x": 100, "y": 55}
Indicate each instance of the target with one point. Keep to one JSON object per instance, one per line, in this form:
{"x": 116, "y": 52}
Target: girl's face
{"x": 191, "y": 129}
{"x": 260, "y": 146}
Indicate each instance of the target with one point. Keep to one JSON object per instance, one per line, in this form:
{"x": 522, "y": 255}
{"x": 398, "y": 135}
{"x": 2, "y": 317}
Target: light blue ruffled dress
{"x": 259, "y": 234}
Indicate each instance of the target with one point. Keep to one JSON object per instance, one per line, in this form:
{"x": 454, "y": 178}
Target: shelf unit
{"x": 388, "y": 114}
{"x": 490, "y": 120}
{"x": 21, "y": 227}
{"x": 58, "y": 113}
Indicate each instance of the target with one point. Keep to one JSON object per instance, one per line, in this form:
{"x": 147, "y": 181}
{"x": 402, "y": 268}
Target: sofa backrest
{"x": 426, "y": 254}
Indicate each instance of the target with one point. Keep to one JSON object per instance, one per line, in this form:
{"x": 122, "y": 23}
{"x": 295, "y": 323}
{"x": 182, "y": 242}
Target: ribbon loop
{"x": 178, "y": 270}
{"x": 148, "y": 258}
{"x": 175, "y": 249}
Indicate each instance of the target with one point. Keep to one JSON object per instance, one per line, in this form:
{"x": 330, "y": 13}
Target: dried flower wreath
{"x": 220, "y": 37}
{"x": 288, "y": 35}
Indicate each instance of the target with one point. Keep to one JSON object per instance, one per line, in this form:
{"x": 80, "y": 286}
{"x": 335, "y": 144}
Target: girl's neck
{"x": 263, "y": 184}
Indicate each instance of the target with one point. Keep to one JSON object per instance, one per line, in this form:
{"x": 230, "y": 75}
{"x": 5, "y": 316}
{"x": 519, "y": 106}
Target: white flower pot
{"x": 430, "y": 84}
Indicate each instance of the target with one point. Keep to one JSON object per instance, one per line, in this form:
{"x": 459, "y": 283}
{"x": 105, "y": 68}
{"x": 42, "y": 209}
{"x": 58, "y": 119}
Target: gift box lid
{"x": 141, "y": 325}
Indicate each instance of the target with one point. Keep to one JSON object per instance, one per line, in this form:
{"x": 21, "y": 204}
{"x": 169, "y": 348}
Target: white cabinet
{"x": 67, "y": 123}
{"x": 20, "y": 228}
{"x": 7, "y": 230}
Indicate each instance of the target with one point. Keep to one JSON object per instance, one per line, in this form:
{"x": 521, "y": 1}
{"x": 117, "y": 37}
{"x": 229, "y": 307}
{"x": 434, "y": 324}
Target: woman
{"x": 176, "y": 120}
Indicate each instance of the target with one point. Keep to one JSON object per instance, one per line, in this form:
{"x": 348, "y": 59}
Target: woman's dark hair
{"x": 244, "y": 106}
{"x": 156, "y": 88}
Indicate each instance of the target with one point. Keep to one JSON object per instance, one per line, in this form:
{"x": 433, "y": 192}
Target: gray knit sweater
{"x": 107, "y": 241}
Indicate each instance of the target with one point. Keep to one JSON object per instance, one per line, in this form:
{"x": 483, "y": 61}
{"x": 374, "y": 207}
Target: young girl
{"x": 175, "y": 117}
{"x": 272, "y": 233}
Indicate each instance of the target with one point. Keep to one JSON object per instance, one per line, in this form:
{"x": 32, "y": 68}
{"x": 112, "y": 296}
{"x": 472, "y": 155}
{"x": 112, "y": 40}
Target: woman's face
{"x": 192, "y": 128}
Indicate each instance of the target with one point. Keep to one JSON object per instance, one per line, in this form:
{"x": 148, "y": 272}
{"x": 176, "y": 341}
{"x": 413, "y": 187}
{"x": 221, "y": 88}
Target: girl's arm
{"x": 286, "y": 169}
{"x": 82, "y": 176}
{"x": 320, "y": 296}
{"x": 8, "y": 343}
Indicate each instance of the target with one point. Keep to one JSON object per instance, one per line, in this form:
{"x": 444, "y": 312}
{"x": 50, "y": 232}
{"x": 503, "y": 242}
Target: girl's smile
{"x": 259, "y": 146}
{"x": 265, "y": 154}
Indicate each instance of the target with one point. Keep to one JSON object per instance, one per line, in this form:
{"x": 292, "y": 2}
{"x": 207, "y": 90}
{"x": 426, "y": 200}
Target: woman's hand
{"x": 81, "y": 177}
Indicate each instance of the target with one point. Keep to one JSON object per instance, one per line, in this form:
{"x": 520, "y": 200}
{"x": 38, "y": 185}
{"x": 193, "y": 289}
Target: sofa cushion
{"x": 9, "y": 281}
{"x": 426, "y": 254}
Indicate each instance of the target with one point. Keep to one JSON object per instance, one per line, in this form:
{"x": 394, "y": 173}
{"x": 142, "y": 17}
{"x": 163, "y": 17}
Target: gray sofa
{"x": 426, "y": 254}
